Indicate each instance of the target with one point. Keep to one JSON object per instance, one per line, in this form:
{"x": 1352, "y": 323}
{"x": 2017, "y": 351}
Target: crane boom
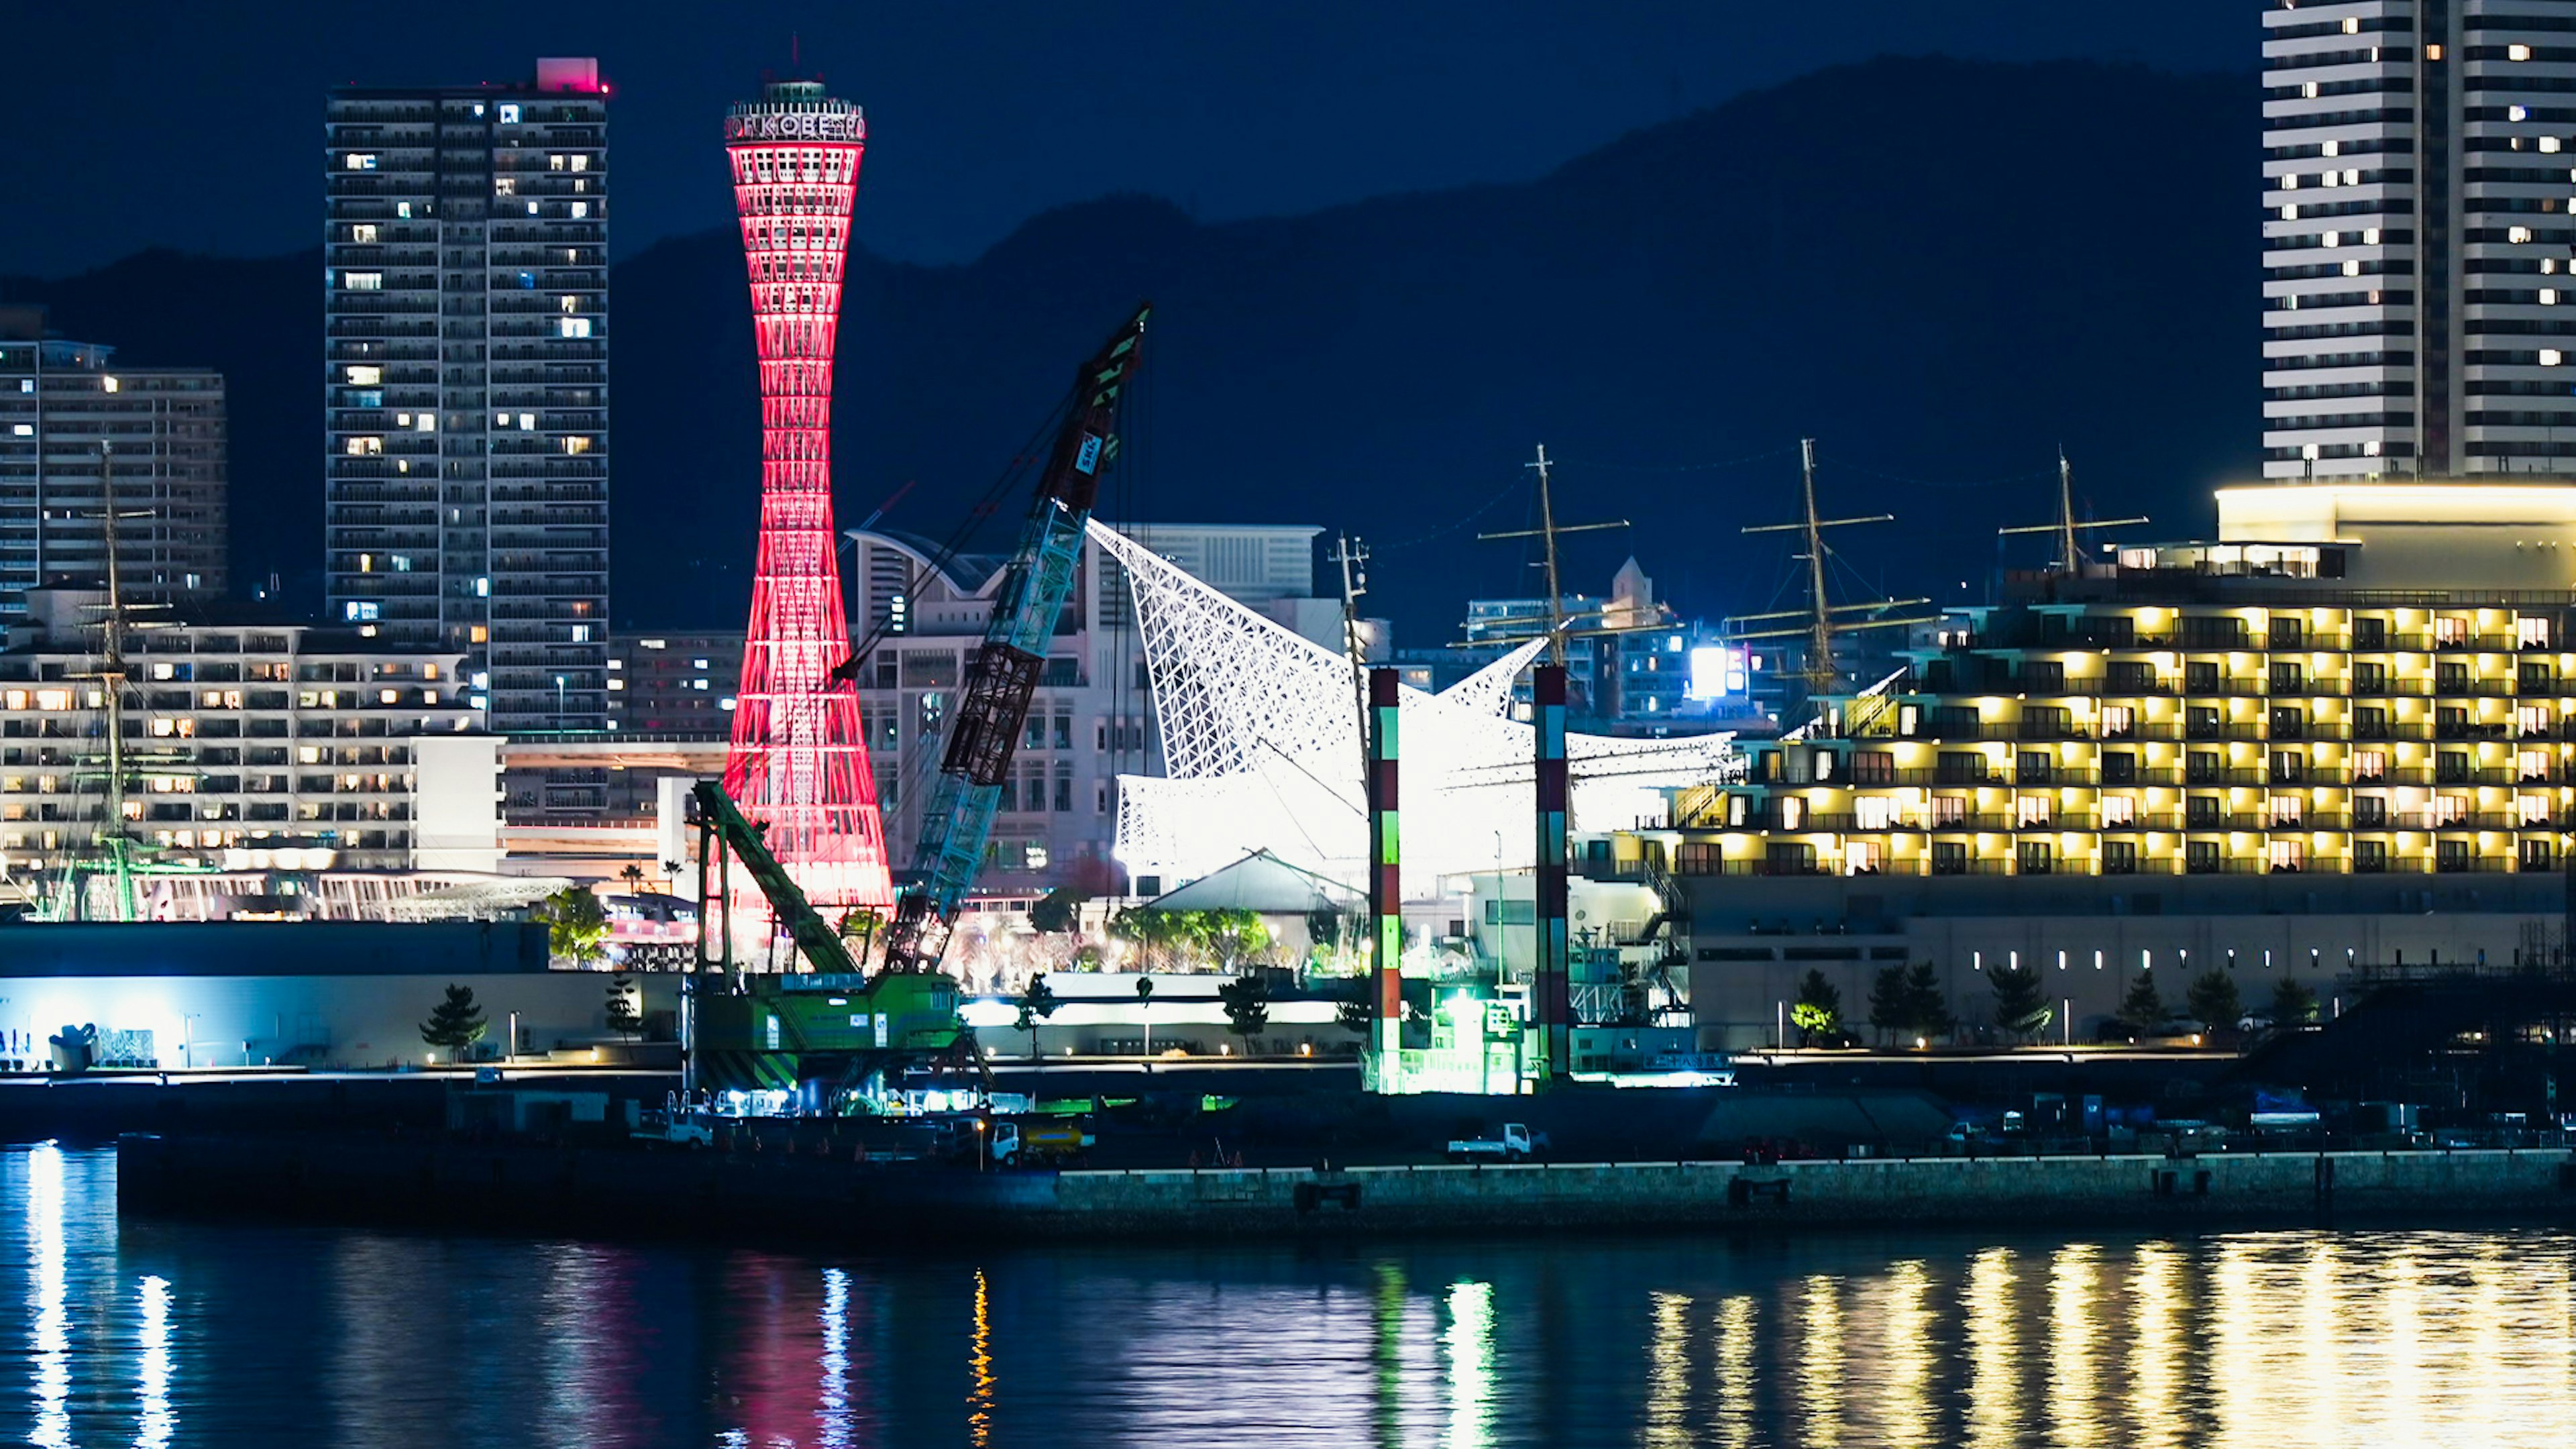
{"x": 994, "y": 705}
{"x": 815, "y": 939}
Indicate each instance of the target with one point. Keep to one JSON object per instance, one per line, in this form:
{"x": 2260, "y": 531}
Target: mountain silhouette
{"x": 1943, "y": 270}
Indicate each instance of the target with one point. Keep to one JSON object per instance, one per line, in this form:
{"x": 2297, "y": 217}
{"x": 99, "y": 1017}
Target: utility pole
{"x": 1352, "y": 555}
{"x": 2068, "y": 559}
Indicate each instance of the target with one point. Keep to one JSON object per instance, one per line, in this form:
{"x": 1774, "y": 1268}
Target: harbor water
{"x": 148, "y": 1332}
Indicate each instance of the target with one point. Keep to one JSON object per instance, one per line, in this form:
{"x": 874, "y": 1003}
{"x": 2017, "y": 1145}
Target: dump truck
{"x": 1040, "y": 1144}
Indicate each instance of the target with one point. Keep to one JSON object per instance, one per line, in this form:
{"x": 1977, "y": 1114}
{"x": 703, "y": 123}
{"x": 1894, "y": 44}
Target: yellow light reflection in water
{"x": 1994, "y": 1367}
{"x": 2155, "y": 1346}
{"x": 1668, "y": 1373}
{"x": 1905, "y": 1322}
{"x": 2240, "y": 1383}
{"x": 1735, "y": 1325}
{"x": 979, "y": 1404}
{"x": 51, "y": 1333}
{"x": 2318, "y": 1376}
{"x": 1470, "y": 1340}
{"x": 152, "y": 1375}
{"x": 1820, "y": 1365}
{"x": 2074, "y": 1418}
{"x": 2485, "y": 1366}
{"x": 834, "y": 1410}
{"x": 2402, "y": 1297}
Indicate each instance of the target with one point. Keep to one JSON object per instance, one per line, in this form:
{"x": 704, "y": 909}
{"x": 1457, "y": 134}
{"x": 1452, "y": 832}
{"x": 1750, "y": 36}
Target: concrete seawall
{"x": 441, "y": 1182}
{"x": 1888, "y": 1193}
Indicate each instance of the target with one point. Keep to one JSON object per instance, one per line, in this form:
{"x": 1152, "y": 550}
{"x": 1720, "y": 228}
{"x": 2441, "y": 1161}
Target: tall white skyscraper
{"x": 465, "y": 268}
{"x": 2419, "y": 199}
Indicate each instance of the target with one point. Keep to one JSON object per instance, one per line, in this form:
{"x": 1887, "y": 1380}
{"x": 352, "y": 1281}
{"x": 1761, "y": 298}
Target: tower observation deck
{"x": 798, "y": 762}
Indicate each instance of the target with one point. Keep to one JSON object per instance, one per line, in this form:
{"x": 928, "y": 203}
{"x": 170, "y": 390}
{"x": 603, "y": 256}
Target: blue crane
{"x": 994, "y": 705}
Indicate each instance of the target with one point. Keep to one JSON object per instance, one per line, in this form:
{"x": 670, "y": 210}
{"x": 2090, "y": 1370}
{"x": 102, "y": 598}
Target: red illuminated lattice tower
{"x": 799, "y": 763}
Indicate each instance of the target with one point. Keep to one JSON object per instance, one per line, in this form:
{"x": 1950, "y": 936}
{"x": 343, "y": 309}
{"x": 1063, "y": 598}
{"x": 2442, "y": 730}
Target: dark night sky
{"x": 198, "y": 126}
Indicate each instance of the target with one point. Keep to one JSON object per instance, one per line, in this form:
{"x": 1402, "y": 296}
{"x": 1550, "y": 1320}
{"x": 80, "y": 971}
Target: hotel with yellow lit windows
{"x": 2341, "y": 733}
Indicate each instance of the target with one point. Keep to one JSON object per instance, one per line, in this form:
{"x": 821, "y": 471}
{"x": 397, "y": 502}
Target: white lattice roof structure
{"x": 1261, "y": 738}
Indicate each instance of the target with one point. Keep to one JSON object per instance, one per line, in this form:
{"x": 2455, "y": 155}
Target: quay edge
{"x": 612, "y": 1192}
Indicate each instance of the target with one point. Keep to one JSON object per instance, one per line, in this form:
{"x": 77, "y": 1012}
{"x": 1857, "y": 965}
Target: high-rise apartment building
{"x": 2419, "y": 173}
{"x": 465, "y": 265}
{"x": 71, "y": 422}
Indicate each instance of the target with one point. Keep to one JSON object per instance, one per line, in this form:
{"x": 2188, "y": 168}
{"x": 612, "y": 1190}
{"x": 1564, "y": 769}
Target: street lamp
{"x": 559, "y": 701}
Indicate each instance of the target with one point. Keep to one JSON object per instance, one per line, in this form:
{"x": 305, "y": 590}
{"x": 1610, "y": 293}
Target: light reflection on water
{"x": 159, "y": 1334}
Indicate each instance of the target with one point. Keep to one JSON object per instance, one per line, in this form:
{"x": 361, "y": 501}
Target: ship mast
{"x": 1551, "y": 615}
{"x": 111, "y": 674}
{"x": 1820, "y": 624}
{"x": 2068, "y": 559}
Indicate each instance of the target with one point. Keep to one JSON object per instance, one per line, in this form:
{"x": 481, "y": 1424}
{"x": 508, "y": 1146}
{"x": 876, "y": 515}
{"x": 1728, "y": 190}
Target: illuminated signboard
{"x": 796, "y": 126}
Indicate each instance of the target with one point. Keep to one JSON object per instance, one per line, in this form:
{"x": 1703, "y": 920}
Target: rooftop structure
{"x": 1260, "y": 732}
